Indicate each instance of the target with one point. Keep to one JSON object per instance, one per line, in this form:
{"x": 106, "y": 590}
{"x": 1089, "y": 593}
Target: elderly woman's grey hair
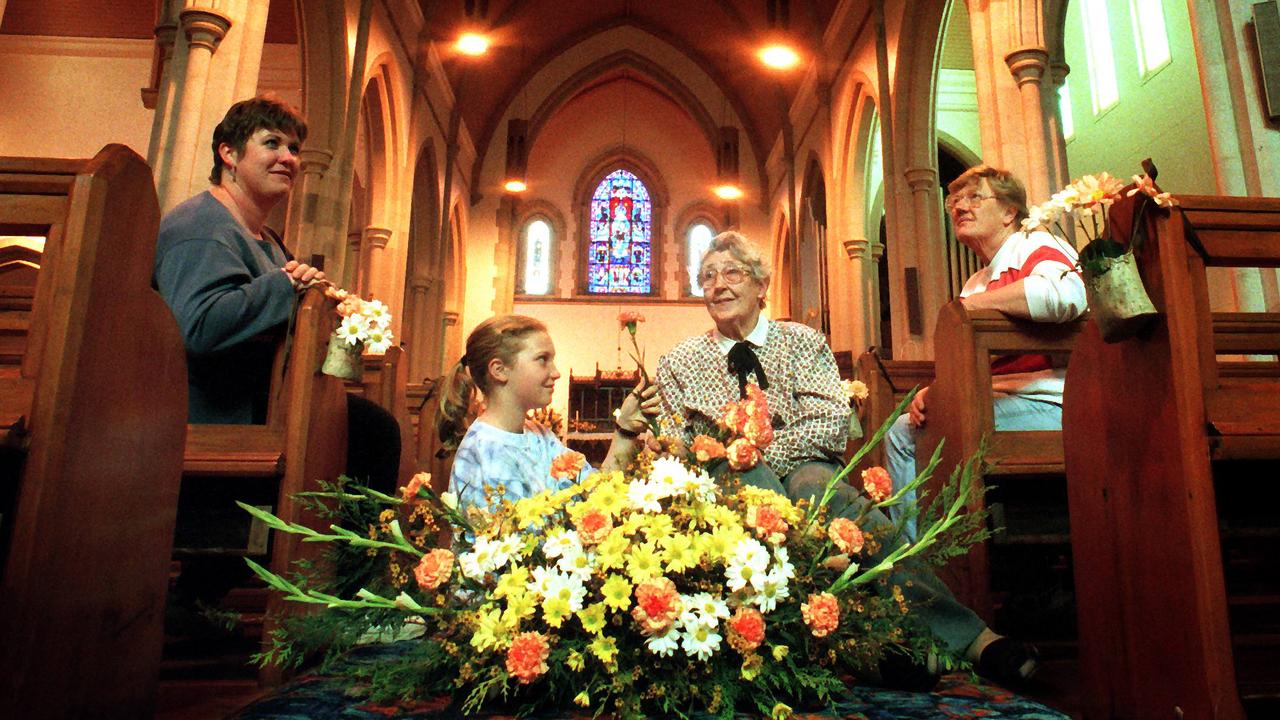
{"x": 743, "y": 250}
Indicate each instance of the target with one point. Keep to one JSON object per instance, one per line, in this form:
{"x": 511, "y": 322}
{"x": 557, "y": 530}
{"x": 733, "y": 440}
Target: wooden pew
{"x": 385, "y": 382}
{"x": 303, "y": 441}
{"x": 888, "y": 381}
{"x": 93, "y": 409}
{"x": 1144, "y": 419}
{"x": 431, "y": 456}
{"x": 960, "y": 410}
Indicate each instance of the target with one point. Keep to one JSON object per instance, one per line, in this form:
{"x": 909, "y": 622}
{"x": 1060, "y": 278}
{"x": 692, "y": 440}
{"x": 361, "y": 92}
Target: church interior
{"x": 464, "y": 158}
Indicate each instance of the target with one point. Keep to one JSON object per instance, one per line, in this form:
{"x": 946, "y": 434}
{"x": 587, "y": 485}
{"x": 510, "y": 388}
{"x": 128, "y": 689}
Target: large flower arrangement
{"x": 658, "y": 590}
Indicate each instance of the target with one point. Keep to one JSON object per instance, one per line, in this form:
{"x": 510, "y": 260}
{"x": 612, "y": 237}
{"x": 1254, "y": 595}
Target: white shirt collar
{"x": 756, "y": 337}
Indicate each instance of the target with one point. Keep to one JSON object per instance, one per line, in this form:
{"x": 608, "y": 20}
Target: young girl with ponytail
{"x": 510, "y": 359}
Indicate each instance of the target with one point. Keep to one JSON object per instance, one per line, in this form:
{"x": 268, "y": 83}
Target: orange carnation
{"x": 742, "y": 454}
{"x": 434, "y": 569}
{"x": 593, "y": 526}
{"x": 409, "y": 493}
{"x": 630, "y": 317}
{"x": 707, "y": 448}
{"x": 657, "y": 605}
{"x": 350, "y": 306}
{"x": 821, "y": 613}
{"x": 846, "y": 534}
{"x": 527, "y": 656}
{"x": 746, "y": 630}
{"x": 768, "y": 523}
{"x": 568, "y": 465}
{"x": 877, "y": 483}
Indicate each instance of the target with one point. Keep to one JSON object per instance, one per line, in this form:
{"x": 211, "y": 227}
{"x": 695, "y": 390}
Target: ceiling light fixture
{"x": 472, "y": 43}
{"x": 779, "y": 57}
{"x": 515, "y": 186}
{"x": 728, "y": 192}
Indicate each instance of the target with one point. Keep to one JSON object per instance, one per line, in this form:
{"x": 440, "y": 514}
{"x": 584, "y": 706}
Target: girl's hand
{"x": 640, "y": 402}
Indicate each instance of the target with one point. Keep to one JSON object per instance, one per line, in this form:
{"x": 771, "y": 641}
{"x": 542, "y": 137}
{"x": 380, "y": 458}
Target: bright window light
{"x": 1150, "y": 35}
{"x": 700, "y": 236}
{"x": 537, "y": 258}
{"x": 1064, "y": 111}
{"x": 1098, "y": 49}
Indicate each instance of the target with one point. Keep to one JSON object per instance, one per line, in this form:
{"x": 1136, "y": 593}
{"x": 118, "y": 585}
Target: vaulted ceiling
{"x": 721, "y": 36}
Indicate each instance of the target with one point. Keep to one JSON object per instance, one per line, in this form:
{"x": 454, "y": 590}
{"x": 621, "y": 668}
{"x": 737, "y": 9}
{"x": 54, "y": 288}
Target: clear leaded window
{"x": 1150, "y": 34}
{"x": 537, "y": 258}
{"x": 697, "y": 240}
{"x": 1098, "y": 49}
{"x": 619, "y": 257}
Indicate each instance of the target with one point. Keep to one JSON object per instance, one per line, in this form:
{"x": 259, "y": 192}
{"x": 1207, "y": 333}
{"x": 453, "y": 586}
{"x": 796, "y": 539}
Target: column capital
{"x": 421, "y": 283}
{"x": 353, "y": 238}
{"x": 450, "y": 318}
{"x": 921, "y": 178}
{"x": 166, "y": 33}
{"x": 1028, "y": 64}
{"x": 315, "y": 160}
{"x": 856, "y": 247}
{"x": 204, "y": 28}
{"x": 1058, "y": 72}
{"x": 377, "y": 237}
{"x": 877, "y": 251}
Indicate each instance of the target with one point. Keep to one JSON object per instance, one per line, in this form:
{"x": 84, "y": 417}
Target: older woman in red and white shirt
{"x": 1029, "y": 275}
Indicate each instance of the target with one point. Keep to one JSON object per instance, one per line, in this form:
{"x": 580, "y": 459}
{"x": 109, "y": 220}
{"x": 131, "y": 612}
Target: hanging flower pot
{"x": 342, "y": 360}
{"x": 1117, "y": 299}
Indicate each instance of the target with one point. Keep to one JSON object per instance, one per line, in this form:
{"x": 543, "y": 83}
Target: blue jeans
{"x": 1010, "y": 413}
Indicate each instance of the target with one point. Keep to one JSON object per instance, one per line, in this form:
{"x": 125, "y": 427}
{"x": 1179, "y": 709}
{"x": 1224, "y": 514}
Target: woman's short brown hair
{"x": 1005, "y": 188}
{"x": 248, "y": 117}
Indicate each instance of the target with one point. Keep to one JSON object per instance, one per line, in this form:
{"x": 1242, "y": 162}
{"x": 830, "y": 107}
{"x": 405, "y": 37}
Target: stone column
{"x": 372, "y": 267}
{"x": 862, "y": 272}
{"x": 162, "y": 100}
{"x": 204, "y": 30}
{"x": 931, "y": 251}
{"x": 416, "y": 329}
{"x": 1029, "y": 65}
{"x": 451, "y": 336}
{"x": 1059, "y": 173}
{"x": 876, "y": 253}
{"x": 305, "y": 201}
{"x": 352, "y": 261}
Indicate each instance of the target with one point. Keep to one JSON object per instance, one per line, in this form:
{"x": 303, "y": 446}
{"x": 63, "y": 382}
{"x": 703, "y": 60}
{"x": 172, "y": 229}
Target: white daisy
{"x": 669, "y": 474}
{"x": 644, "y": 496}
{"x": 700, "y": 640}
{"x": 782, "y": 564}
{"x": 561, "y": 541}
{"x": 577, "y": 563}
{"x": 771, "y": 592}
{"x": 566, "y": 587}
{"x": 353, "y": 329}
{"x": 665, "y": 644}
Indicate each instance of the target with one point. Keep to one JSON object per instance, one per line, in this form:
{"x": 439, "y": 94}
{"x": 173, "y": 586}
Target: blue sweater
{"x": 232, "y": 304}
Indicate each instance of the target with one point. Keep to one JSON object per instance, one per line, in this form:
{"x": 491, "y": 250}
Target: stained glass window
{"x": 618, "y": 258}
{"x": 696, "y": 243}
{"x": 537, "y": 258}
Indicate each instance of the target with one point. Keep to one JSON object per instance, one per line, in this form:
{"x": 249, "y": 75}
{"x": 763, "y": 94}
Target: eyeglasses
{"x": 967, "y": 202}
{"x": 732, "y": 274}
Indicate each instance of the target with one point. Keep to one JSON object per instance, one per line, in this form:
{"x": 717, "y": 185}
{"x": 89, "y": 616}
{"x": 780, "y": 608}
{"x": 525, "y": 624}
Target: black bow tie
{"x": 742, "y": 361}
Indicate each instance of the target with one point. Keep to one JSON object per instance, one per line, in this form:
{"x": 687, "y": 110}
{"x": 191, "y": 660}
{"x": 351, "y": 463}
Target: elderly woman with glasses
{"x": 795, "y": 368}
{"x": 1029, "y": 275}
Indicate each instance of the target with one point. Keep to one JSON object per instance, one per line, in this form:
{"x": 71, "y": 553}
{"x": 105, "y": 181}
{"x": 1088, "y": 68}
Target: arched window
{"x": 696, "y": 241}
{"x": 619, "y": 258}
{"x": 536, "y": 252}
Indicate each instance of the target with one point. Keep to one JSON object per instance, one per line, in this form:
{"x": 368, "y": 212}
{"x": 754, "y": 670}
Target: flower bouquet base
{"x": 343, "y": 360}
{"x": 1117, "y": 299}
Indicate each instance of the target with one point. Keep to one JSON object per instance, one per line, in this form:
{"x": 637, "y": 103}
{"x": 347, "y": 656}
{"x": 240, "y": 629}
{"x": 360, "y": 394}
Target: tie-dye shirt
{"x": 520, "y": 463}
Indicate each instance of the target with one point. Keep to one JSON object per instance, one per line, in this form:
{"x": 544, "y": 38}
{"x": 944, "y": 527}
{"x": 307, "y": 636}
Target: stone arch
{"x": 812, "y": 304}
{"x": 455, "y": 281}
{"x": 779, "y": 293}
{"x": 697, "y": 211}
{"x": 424, "y": 260}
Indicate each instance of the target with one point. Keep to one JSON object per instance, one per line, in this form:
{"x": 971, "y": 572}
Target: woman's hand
{"x": 640, "y": 402}
{"x": 915, "y": 412}
{"x": 302, "y": 275}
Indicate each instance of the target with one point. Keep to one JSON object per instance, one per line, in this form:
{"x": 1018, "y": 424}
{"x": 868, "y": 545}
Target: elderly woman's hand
{"x": 915, "y": 413}
{"x": 640, "y": 402}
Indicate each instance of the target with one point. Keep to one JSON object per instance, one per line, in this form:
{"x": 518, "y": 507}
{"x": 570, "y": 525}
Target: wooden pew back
{"x": 887, "y": 381}
{"x": 385, "y": 382}
{"x": 97, "y": 407}
{"x": 959, "y": 409}
{"x": 1143, "y": 419}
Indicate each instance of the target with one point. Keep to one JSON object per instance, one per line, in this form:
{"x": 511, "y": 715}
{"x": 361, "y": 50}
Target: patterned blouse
{"x": 809, "y": 408}
{"x": 489, "y": 457}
